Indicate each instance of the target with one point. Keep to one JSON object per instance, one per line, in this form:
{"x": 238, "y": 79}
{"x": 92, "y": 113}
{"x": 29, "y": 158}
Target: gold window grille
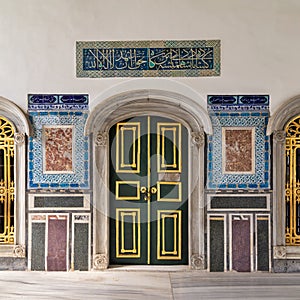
{"x": 7, "y": 188}
{"x": 292, "y": 184}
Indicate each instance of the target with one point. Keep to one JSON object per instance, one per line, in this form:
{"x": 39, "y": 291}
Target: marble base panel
{"x": 13, "y": 264}
{"x": 286, "y": 265}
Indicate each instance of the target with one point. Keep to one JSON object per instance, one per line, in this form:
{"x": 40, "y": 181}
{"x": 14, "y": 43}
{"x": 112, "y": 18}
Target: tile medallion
{"x": 148, "y": 58}
{"x": 58, "y": 154}
{"x": 239, "y": 149}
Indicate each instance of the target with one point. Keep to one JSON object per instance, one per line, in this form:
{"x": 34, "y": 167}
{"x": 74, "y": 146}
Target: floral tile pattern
{"x": 242, "y": 159}
{"x": 58, "y": 154}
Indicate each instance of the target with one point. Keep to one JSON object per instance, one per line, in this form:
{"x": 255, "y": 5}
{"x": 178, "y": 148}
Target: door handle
{"x": 153, "y": 190}
{"x": 148, "y": 192}
{"x": 143, "y": 189}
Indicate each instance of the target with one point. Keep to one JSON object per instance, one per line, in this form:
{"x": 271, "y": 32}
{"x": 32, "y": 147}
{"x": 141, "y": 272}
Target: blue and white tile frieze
{"x": 38, "y": 102}
{"x": 178, "y": 58}
{"x": 38, "y": 106}
{"x": 230, "y": 111}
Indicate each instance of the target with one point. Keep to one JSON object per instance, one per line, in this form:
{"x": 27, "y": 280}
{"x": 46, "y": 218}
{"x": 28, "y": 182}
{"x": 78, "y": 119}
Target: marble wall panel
{"x": 38, "y": 246}
{"x": 57, "y": 244}
{"x": 241, "y": 245}
{"x": 58, "y": 149}
{"x": 238, "y": 150}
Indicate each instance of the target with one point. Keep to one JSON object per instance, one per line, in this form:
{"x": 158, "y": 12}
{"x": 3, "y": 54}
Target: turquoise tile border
{"x": 238, "y": 111}
{"x": 148, "y": 58}
{"x": 77, "y": 180}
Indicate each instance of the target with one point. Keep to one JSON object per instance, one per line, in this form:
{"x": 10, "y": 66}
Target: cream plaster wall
{"x": 260, "y": 44}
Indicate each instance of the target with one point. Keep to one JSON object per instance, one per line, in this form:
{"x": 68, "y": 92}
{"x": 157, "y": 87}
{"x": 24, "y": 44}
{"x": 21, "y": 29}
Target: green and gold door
{"x": 148, "y": 192}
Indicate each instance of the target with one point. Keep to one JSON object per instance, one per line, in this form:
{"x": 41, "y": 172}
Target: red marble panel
{"x": 57, "y": 244}
{"x": 238, "y": 149}
{"x": 241, "y": 245}
{"x": 58, "y": 149}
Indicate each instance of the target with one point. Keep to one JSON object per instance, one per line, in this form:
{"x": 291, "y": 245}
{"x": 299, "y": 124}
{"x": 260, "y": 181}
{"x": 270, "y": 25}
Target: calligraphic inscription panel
{"x": 148, "y": 58}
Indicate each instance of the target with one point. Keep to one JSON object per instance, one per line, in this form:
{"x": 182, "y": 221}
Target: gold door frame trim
{"x": 176, "y": 216}
{"x": 120, "y": 249}
{"x": 164, "y": 199}
{"x": 164, "y": 217}
{"x": 161, "y": 144}
{"x": 131, "y": 182}
{"x": 120, "y": 155}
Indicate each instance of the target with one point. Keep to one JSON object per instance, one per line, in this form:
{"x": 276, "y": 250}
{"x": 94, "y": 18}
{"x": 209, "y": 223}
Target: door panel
{"x": 148, "y": 185}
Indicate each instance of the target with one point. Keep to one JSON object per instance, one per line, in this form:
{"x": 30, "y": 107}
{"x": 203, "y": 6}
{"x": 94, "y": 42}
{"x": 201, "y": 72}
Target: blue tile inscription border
{"x": 148, "y": 58}
{"x": 238, "y": 111}
{"x": 58, "y": 102}
{"x": 36, "y": 178}
{"x": 56, "y": 110}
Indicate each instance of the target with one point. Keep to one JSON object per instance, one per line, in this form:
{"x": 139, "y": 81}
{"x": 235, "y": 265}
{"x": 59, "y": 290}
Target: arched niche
{"x": 18, "y": 119}
{"x": 276, "y": 127}
{"x": 148, "y": 102}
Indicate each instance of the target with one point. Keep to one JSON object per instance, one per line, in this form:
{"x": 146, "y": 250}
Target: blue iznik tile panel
{"x": 242, "y": 114}
{"x": 60, "y": 113}
{"x": 45, "y": 102}
{"x": 148, "y": 58}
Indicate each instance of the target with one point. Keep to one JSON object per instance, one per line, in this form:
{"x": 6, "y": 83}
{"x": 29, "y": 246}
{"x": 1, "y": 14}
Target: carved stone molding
{"x": 279, "y": 136}
{"x": 19, "y": 251}
{"x": 19, "y": 138}
{"x": 198, "y": 262}
{"x": 101, "y": 139}
{"x": 100, "y": 262}
{"x": 198, "y": 138}
{"x": 279, "y": 252}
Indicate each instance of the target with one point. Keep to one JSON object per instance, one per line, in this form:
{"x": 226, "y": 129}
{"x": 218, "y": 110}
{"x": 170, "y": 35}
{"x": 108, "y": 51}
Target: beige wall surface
{"x": 260, "y": 45}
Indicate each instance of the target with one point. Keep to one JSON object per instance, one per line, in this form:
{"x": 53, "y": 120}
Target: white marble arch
{"x": 276, "y": 126}
{"x": 15, "y": 115}
{"x": 148, "y": 102}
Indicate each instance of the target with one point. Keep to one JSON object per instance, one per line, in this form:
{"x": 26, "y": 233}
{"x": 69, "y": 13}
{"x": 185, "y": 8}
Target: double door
{"x": 148, "y": 192}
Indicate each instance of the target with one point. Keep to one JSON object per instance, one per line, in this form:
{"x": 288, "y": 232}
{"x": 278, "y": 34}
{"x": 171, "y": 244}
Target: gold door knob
{"x": 153, "y": 190}
{"x": 143, "y": 189}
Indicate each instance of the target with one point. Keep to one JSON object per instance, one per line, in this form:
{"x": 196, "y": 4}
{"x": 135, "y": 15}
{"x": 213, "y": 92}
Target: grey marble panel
{"x": 38, "y": 247}
{"x": 216, "y": 246}
{"x": 81, "y": 249}
{"x": 12, "y": 264}
{"x": 262, "y": 245}
{"x": 227, "y": 202}
{"x": 50, "y": 201}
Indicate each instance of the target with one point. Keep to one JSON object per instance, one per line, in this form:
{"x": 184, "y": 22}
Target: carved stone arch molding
{"x": 276, "y": 126}
{"x": 15, "y": 115}
{"x": 148, "y": 102}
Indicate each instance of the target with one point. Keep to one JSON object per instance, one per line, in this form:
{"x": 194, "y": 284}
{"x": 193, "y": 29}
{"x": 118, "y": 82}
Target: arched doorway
{"x": 14, "y": 129}
{"x": 179, "y": 109}
{"x": 292, "y": 186}
{"x": 286, "y": 249}
{"x": 148, "y": 202}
